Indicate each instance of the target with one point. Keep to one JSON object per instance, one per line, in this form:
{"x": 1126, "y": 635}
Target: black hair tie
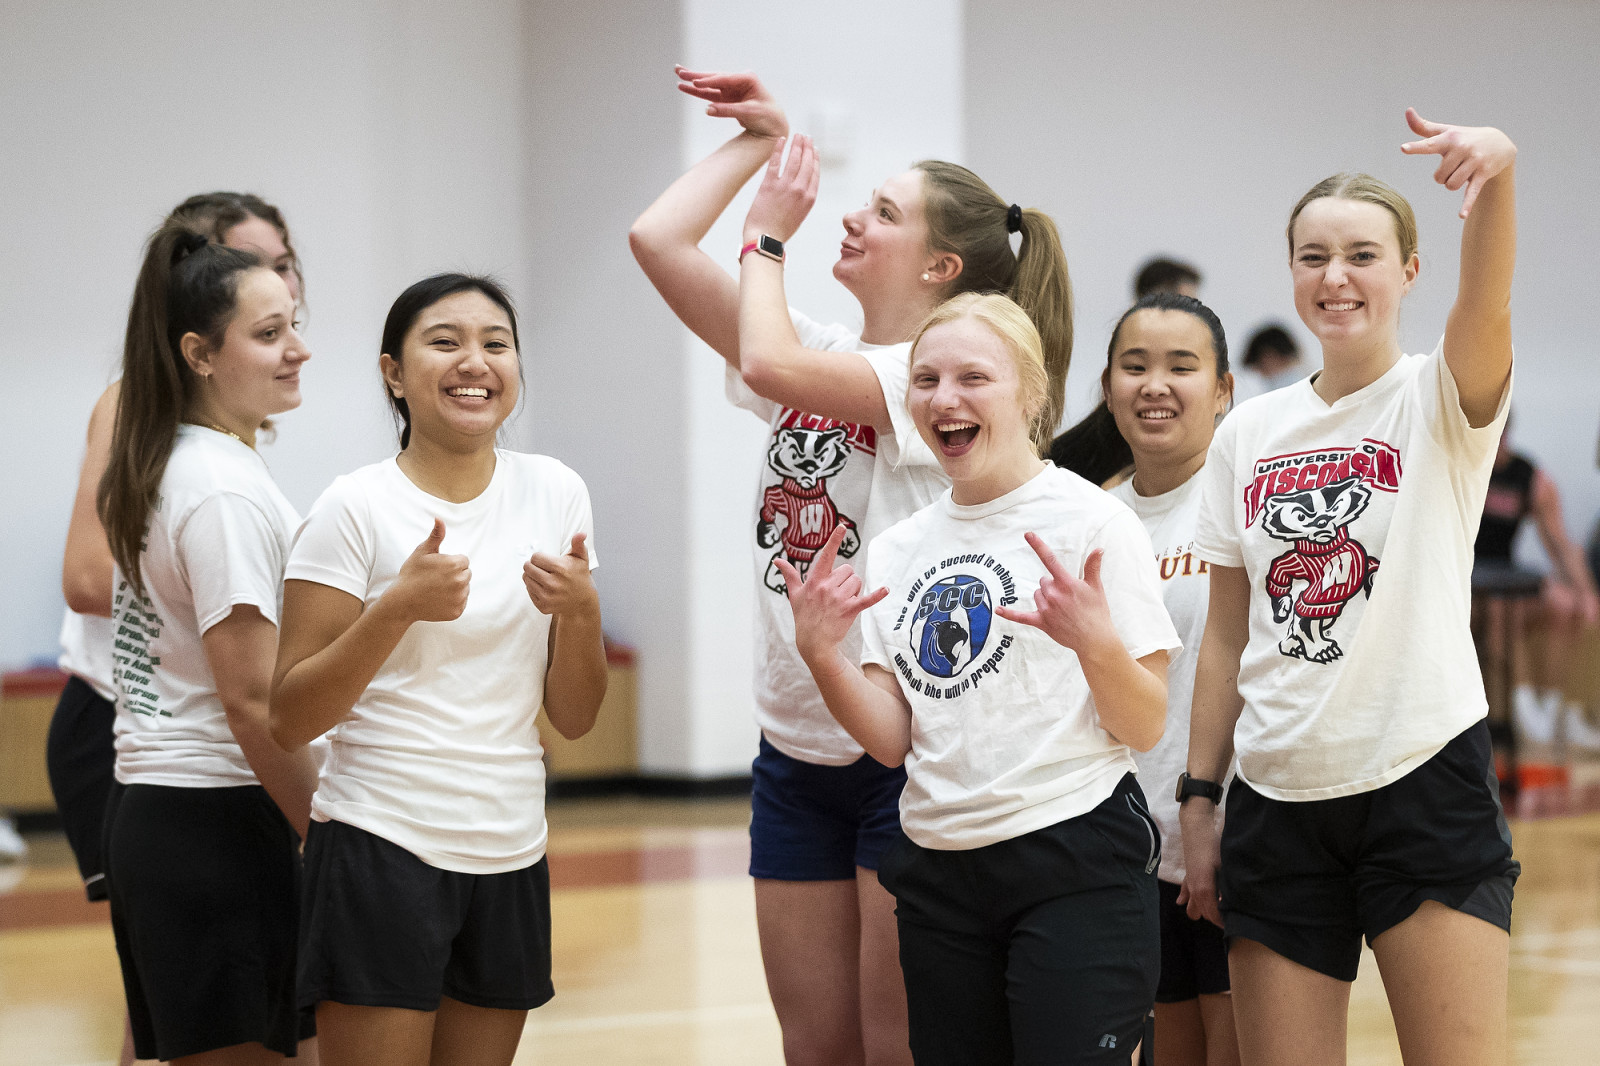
{"x": 1013, "y": 219}
{"x": 188, "y": 244}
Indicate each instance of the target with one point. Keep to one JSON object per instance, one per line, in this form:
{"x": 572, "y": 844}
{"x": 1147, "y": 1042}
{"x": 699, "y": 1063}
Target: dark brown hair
{"x": 967, "y": 217}
{"x": 188, "y": 283}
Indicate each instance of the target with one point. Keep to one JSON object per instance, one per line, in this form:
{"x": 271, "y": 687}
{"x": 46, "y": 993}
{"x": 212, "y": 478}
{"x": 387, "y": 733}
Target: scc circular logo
{"x": 951, "y": 624}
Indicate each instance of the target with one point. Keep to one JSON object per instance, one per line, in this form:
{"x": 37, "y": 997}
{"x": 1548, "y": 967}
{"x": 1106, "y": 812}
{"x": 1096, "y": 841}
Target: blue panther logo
{"x": 951, "y": 625}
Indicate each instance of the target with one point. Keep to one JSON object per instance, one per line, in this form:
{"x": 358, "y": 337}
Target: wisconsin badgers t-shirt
{"x": 1004, "y": 735}
{"x": 1354, "y": 523}
{"x": 818, "y": 473}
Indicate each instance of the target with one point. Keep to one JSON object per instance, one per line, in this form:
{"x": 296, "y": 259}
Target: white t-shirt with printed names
{"x": 218, "y": 539}
{"x": 441, "y": 753}
{"x": 818, "y": 472}
{"x": 1170, "y": 519}
{"x": 1354, "y": 523}
{"x": 1004, "y": 735}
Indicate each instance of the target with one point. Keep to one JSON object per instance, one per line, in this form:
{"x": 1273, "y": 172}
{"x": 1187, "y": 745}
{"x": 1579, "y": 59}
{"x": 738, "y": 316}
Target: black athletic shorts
{"x": 81, "y": 755}
{"x": 1194, "y": 955}
{"x": 382, "y": 928}
{"x": 810, "y": 822}
{"x": 204, "y": 887}
{"x": 1042, "y": 948}
{"x": 1309, "y": 879}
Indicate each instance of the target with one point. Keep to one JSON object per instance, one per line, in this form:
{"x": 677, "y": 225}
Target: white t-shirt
{"x": 441, "y": 753}
{"x": 1354, "y": 524}
{"x": 1186, "y": 591}
{"x": 86, "y": 651}
{"x": 218, "y": 539}
{"x": 819, "y": 472}
{"x": 1004, "y": 735}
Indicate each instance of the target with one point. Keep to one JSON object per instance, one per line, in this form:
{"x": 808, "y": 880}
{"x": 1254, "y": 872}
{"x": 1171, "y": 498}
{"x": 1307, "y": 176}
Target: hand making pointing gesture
{"x": 1470, "y": 155}
{"x": 1069, "y": 610}
{"x": 826, "y": 600}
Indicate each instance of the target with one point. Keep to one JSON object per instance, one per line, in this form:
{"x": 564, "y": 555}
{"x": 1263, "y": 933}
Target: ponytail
{"x": 967, "y": 217}
{"x": 187, "y": 284}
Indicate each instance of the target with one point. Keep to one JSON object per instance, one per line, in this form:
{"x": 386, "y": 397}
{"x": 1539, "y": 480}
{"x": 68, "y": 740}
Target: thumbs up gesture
{"x": 431, "y": 586}
{"x": 561, "y": 585}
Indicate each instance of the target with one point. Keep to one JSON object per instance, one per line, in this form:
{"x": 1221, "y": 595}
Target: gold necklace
{"x": 222, "y": 429}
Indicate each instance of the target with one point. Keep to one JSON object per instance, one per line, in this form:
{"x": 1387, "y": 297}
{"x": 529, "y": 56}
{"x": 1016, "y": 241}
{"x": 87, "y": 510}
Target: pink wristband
{"x": 747, "y": 249}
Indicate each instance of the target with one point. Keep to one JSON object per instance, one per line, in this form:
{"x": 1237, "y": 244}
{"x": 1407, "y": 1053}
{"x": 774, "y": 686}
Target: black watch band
{"x": 1197, "y": 786}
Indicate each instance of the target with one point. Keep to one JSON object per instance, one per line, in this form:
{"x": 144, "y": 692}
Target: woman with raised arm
{"x": 1025, "y": 872}
{"x": 433, "y": 603}
{"x": 1165, "y": 387}
{"x": 202, "y": 828}
{"x": 1338, "y": 517}
{"x": 842, "y": 451}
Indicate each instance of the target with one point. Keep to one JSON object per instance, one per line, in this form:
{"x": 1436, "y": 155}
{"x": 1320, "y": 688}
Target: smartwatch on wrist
{"x": 1196, "y": 786}
{"x": 770, "y": 247}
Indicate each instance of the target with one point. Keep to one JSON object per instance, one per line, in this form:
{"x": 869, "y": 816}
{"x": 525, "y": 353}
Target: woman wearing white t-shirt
{"x": 1025, "y": 879}
{"x": 433, "y": 603}
{"x": 1165, "y": 386}
{"x": 842, "y": 451}
{"x": 1338, "y": 516}
{"x": 202, "y": 857}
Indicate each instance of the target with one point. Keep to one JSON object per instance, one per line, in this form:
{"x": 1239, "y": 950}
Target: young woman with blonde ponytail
{"x": 843, "y": 452}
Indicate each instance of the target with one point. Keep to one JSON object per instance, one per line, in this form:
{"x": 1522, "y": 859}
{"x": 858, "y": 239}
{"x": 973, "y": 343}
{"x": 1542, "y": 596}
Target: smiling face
{"x": 1162, "y": 386}
{"x": 966, "y": 397}
{"x": 255, "y": 372}
{"x": 885, "y": 248}
{"x": 458, "y": 370}
{"x": 262, "y": 237}
{"x": 1349, "y": 272}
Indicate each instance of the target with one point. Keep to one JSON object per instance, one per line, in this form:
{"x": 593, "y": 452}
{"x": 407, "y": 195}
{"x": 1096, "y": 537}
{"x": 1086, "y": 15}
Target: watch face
{"x": 770, "y": 247}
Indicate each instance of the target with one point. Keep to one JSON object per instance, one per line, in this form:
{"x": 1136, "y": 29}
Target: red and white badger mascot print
{"x": 1334, "y": 567}
{"x": 797, "y": 515}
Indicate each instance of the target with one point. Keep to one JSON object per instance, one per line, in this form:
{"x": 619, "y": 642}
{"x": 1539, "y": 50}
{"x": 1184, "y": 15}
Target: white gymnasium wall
{"x": 1187, "y": 128}
{"x": 390, "y": 133}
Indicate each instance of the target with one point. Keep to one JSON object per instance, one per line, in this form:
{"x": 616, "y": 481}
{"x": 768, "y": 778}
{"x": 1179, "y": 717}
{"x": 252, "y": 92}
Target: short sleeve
{"x": 873, "y": 647}
{"x": 1218, "y": 538}
{"x": 892, "y": 365}
{"x": 744, "y": 397}
{"x": 580, "y": 517}
{"x": 232, "y": 556}
{"x": 1439, "y": 399}
{"x": 1133, "y": 590}
{"x": 334, "y": 546}
{"x": 830, "y": 338}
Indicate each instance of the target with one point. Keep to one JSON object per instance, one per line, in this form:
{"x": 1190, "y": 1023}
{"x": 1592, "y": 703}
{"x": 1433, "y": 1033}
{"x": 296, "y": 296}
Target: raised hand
{"x": 431, "y": 587}
{"x": 1470, "y": 155}
{"x": 561, "y": 585}
{"x": 1071, "y": 611}
{"x": 741, "y": 97}
{"x": 787, "y": 191}
{"x": 827, "y": 600}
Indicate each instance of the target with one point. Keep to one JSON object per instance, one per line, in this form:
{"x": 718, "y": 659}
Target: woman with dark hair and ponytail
{"x": 203, "y": 826}
{"x": 843, "y": 451}
{"x": 426, "y": 936}
{"x": 80, "y": 753}
{"x": 1165, "y": 387}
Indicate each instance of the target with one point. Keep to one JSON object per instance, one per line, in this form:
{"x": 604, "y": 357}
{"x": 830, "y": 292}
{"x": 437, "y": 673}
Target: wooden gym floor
{"x": 656, "y": 958}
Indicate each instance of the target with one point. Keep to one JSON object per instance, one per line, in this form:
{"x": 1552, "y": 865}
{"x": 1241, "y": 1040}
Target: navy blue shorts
{"x": 818, "y": 823}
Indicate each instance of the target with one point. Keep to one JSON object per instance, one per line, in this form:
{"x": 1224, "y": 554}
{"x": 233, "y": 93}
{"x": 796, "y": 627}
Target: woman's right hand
{"x": 431, "y": 587}
{"x": 1202, "y": 856}
{"x": 741, "y": 97}
{"x": 826, "y": 600}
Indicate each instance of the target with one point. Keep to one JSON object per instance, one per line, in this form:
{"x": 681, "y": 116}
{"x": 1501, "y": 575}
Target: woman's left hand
{"x": 561, "y": 585}
{"x": 1471, "y": 155}
{"x": 787, "y": 191}
{"x": 1072, "y": 612}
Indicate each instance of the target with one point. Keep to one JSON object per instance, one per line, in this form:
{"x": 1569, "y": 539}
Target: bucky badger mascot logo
{"x": 1333, "y": 567}
{"x": 797, "y": 516}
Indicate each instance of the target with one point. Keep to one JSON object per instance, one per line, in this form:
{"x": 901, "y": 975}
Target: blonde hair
{"x": 1017, "y": 332}
{"x": 967, "y": 217}
{"x": 1369, "y": 190}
